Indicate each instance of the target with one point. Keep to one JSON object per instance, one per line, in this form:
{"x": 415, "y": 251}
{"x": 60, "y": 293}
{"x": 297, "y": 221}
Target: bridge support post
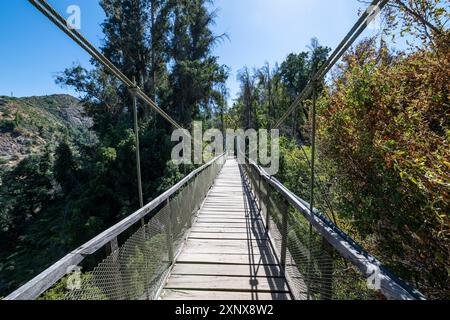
{"x": 313, "y": 179}
{"x": 137, "y": 146}
{"x": 327, "y": 270}
{"x": 267, "y": 205}
{"x": 113, "y": 250}
{"x": 138, "y": 173}
{"x": 169, "y": 233}
{"x": 284, "y": 233}
{"x": 259, "y": 193}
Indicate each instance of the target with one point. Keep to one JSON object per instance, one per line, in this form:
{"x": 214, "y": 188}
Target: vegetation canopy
{"x": 382, "y": 162}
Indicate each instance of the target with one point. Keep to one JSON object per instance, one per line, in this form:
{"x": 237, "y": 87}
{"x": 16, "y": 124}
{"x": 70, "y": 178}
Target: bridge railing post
{"x": 284, "y": 233}
{"x": 327, "y": 270}
{"x": 169, "y": 232}
{"x": 260, "y": 193}
{"x": 113, "y": 250}
{"x": 312, "y": 183}
{"x": 133, "y": 92}
{"x": 267, "y": 201}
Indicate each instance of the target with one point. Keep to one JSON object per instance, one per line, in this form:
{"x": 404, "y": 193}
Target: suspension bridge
{"x": 227, "y": 230}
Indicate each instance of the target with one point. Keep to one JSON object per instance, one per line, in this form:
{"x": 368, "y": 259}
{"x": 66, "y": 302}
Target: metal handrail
{"x": 390, "y": 286}
{"x": 45, "y": 280}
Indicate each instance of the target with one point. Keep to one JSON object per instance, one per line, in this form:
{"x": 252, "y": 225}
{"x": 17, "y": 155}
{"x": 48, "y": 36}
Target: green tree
{"x": 295, "y": 73}
{"x": 196, "y": 75}
{"x": 25, "y": 191}
{"x": 384, "y": 133}
{"x": 64, "y": 168}
{"x": 248, "y": 99}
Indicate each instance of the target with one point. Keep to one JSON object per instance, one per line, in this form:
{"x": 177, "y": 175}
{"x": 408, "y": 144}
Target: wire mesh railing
{"x": 135, "y": 268}
{"x": 319, "y": 260}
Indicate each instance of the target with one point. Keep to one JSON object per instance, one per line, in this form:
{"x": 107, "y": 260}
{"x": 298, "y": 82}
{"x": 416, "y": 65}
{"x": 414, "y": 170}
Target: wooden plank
{"x": 245, "y": 259}
{"x": 228, "y": 250}
{"x": 226, "y": 243}
{"x": 221, "y": 202}
{"x": 229, "y": 219}
{"x": 250, "y": 220}
{"x": 227, "y": 270}
{"x": 227, "y": 283}
{"x": 212, "y": 229}
{"x": 211, "y": 221}
{"x": 224, "y": 209}
{"x": 241, "y": 236}
{"x": 222, "y": 224}
{"x": 240, "y": 202}
{"x": 238, "y": 197}
{"x": 249, "y": 247}
{"x": 222, "y": 295}
{"x": 226, "y": 213}
{"x": 223, "y": 221}
{"x": 225, "y": 193}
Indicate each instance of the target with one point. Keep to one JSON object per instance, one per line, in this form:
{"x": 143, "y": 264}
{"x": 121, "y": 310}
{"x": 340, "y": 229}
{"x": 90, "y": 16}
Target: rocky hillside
{"x": 27, "y": 125}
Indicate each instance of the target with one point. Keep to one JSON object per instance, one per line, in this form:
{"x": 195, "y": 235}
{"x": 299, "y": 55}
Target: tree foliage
{"x": 267, "y": 93}
{"x": 384, "y": 127}
{"x": 52, "y": 204}
{"x": 382, "y": 166}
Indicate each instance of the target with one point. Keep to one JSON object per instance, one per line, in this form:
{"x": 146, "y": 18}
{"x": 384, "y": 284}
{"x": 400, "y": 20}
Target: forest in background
{"x": 383, "y": 162}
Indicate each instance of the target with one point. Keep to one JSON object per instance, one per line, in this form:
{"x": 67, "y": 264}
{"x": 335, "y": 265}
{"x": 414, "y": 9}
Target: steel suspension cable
{"x": 366, "y": 18}
{"x": 64, "y": 25}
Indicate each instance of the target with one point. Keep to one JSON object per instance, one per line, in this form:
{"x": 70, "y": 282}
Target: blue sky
{"x": 33, "y": 50}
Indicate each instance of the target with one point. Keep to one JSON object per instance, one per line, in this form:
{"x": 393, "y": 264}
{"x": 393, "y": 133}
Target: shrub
{"x": 384, "y": 128}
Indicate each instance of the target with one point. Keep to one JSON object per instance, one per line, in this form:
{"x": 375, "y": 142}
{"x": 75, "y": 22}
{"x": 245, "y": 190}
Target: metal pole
{"x": 113, "y": 250}
{"x": 284, "y": 234}
{"x": 268, "y": 205}
{"x": 259, "y": 193}
{"x": 327, "y": 270}
{"x": 137, "y": 144}
{"x": 313, "y": 178}
{"x": 169, "y": 233}
{"x": 139, "y": 178}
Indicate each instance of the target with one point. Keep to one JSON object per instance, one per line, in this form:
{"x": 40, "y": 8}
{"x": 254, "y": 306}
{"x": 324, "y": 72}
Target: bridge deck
{"x": 227, "y": 254}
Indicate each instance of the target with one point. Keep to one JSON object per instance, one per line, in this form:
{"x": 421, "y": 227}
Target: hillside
{"x": 29, "y": 124}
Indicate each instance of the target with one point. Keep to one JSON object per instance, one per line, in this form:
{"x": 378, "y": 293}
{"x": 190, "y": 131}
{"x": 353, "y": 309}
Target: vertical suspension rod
{"x": 312, "y": 183}
{"x": 133, "y": 92}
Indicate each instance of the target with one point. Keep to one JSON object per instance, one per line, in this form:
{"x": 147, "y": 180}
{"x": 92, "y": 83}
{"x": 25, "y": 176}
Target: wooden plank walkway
{"x": 227, "y": 255}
